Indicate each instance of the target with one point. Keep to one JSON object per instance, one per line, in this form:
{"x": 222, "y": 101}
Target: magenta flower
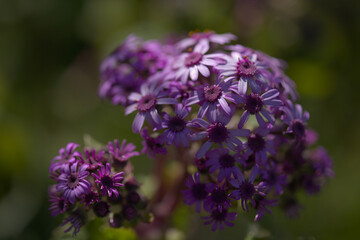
{"x": 151, "y": 146}
{"x": 72, "y": 182}
{"x": 58, "y": 205}
{"x": 207, "y": 36}
{"x": 66, "y": 155}
{"x": 190, "y": 64}
{"x": 121, "y": 154}
{"x": 197, "y": 191}
{"x": 108, "y": 183}
{"x": 222, "y": 159}
{"x": 213, "y": 97}
{"x": 146, "y": 101}
{"x": 217, "y": 218}
{"x": 177, "y": 130}
{"x": 92, "y": 159}
{"x": 254, "y": 104}
{"x": 245, "y": 70}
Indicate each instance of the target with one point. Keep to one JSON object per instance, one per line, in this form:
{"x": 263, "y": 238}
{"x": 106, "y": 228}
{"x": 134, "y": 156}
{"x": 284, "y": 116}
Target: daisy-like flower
{"x": 218, "y": 198}
{"x": 151, "y": 146}
{"x": 254, "y": 104}
{"x": 146, "y": 101}
{"x": 296, "y": 119}
{"x": 222, "y": 159}
{"x": 190, "y": 64}
{"x": 274, "y": 178}
{"x": 72, "y": 182}
{"x": 66, "y": 155}
{"x": 58, "y": 205}
{"x": 90, "y": 198}
{"x": 197, "y": 191}
{"x": 246, "y": 189}
{"x": 207, "y": 36}
{"x": 210, "y": 97}
{"x": 244, "y": 69}
{"x": 259, "y": 146}
{"x": 262, "y": 204}
{"x": 176, "y": 127}
{"x": 92, "y": 159}
{"x": 121, "y": 153}
{"x": 108, "y": 183}
{"x": 217, "y": 132}
{"x": 217, "y": 218}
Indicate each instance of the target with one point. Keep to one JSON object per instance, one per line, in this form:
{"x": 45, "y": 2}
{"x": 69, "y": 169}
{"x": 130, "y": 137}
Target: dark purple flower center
{"x": 146, "y": 103}
{"x": 107, "y": 182}
{"x": 253, "y": 103}
{"x": 101, "y": 209}
{"x": 90, "y": 198}
{"x": 212, "y": 93}
{"x": 198, "y": 191}
{"x": 62, "y": 205}
{"x": 129, "y": 212}
{"x": 271, "y": 178}
{"x": 218, "y": 133}
{"x": 246, "y": 190}
{"x": 73, "y": 181}
{"x": 298, "y": 128}
{"x": 245, "y": 67}
{"x": 219, "y": 216}
{"x": 219, "y": 196}
{"x": 256, "y": 142}
{"x": 227, "y": 161}
{"x": 201, "y": 165}
{"x": 193, "y": 58}
{"x": 152, "y": 143}
{"x": 176, "y": 124}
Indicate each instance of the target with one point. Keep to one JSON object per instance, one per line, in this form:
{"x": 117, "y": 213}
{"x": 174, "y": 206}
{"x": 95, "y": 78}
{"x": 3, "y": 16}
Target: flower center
{"x": 256, "y": 142}
{"x": 227, "y": 161}
{"x": 247, "y": 190}
{"x": 212, "y": 93}
{"x": 245, "y": 67}
{"x": 73, "y": 181}
{"x": 217, "y": 133}
{"x": 192, "y": 59}
{"x": 298, "y": 128}
{"x": 219, "y": 196}
{"x": 198, "y": 191}
{"x": 146, "y": 103}
{"x": 107, "y": 182}
{"x": 176, "y": 124}
{"x": 219, "y": 216}
{"x": 253, "y": 103}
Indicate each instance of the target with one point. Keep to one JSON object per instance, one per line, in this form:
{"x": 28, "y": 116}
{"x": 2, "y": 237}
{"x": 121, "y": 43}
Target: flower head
{"x": 217, "y": 218}
{"x": 108, "y": 183}
{"x": 197, "y": 191}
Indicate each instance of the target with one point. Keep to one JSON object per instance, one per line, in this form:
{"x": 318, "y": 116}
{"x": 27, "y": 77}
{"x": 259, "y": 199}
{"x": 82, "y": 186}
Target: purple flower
{"x": 180, "y": 90}
{"x": 218, "y": 198}
{"x": 210, "y": 96}
{"x": 194, "y": 62}
{"x": 217, "y": 132}
{"x": 245, "y": 70}
{"x": 76, "y": 220}
{"x": 274, "y": 178}
{"x": 222, "y": 159}
{"x": 176, "y": 127}
{"x": 66, "y": 155}
{"x": 146, "y": 101}
{"x": 151, "y": 146}
{"x": 207, "y": 36}
{"x": 197, "y": 191}
{"x": 254, "y": 104}
{"x": 258, "y": 145}
{"x": 121, "y": 154}
{"x": 296, "y": 119}
{"x": 322, "y": 162}
{"x": 108, "y": 183}
{"x": 245, "y": 188}
{"x": 262, "y": 204}
{"x": 90, "y": 198}
{"x": 72, "y": 182}
{"x": 92, "y": 159}
{"x": 58, "y": 205}
{"x": 217, "y": 218}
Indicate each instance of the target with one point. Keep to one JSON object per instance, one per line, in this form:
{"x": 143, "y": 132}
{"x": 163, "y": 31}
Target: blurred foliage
{"x": 50, "y": 53}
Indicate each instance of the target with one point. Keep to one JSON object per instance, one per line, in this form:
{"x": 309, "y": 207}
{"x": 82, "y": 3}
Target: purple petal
{"x": 138, "y": 122}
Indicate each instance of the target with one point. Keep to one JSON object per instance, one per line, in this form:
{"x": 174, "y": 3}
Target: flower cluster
{"x": 94, "y": 182}
{"x": 231, "y": 104}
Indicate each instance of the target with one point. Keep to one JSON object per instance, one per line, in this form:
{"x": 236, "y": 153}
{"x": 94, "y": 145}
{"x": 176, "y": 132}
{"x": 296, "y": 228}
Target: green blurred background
{"x": 50, "y": 53}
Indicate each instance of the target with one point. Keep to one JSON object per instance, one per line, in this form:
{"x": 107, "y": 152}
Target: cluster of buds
{"x": 96, "y": 183}
{"x": 229, "y": 107}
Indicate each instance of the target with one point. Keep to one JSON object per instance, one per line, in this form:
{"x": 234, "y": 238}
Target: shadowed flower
{"x": 197, "y": 191}
{"x": 222, "y": 159}
{"x": 218, "y": 198}
{"x": 296, "y": 119}
{"x": 108, "y": 183}
{"x": 217, "y": 218}
{"x": 58, "y": 205}
{"x": 121, "y": 154}
{"x": 76, "y": 220}
{"x": 151, "y": 146}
